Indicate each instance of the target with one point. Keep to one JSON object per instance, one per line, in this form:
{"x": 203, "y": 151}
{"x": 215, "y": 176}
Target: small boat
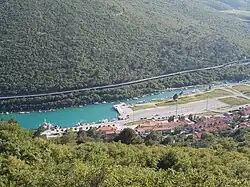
{"x": 136, "y": 98}
{"x": 181, "y": 93}
{"x": 52, "y": 110}
{"x": 104, "y": 102}
{"x": 96, "y": 103}
{"x": 7, "y": 113}
{"x": 80, "y": 106}
{"x": 46, "y": 125}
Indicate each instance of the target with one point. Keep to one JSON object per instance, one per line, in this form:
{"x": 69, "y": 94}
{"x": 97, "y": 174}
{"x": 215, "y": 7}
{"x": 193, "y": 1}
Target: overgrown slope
{"x": 36, "y": 162}
{"x": 59, "y": 45}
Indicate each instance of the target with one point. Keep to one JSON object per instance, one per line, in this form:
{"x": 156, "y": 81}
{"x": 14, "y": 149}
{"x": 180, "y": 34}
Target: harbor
{"x": 89, "y": 114}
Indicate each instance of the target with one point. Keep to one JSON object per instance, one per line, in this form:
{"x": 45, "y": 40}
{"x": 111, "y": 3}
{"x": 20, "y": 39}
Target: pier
{"x": 123, "y": 110}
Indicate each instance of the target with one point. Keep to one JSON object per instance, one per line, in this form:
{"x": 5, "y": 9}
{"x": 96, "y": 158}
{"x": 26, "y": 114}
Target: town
{"x": 191, "y": 125}
{"x": 224, "y": 109}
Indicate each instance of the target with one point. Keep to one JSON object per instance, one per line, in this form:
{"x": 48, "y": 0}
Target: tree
{"x": 38, "y": 132}
{"x": 168, "y": 161}
{"x": 171, "y": 118}
{"x": 153, "y": 138}
{"x": 175, "y": 97}
{"x": 81, "y": 137}
{"x": 69, "y": 137}
{"x": 191, "y": 117}
{"x": 167, "y": 141}
{"x": 128, "y": 136}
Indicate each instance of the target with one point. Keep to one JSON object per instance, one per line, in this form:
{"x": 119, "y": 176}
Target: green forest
{"x": 28, "y": 160}
{"x": 49, "y": 46}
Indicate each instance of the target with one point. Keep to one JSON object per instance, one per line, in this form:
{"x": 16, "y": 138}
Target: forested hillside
{"x": 66, "y": 44}
{"x": 34, "y": 162}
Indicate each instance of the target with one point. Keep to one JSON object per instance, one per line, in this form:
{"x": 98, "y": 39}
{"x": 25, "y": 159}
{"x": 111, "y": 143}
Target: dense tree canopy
{"x": 36, "y": 162}
{"x": 50, "y": 46}
{"x": 59, "y": 45}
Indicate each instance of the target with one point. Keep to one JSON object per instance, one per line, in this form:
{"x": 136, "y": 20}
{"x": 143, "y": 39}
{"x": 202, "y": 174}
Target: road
{"x": 234, "y": 63}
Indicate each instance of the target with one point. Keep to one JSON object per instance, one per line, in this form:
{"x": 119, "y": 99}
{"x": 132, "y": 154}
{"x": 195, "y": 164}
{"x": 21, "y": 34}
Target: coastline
{"x": 69, "y": 117}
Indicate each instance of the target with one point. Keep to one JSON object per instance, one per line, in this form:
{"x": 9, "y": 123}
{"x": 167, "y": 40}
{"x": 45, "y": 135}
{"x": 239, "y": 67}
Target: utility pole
{"x": 207, "y": 104}
{"x": 133, "y": 118}
{"x": 176, "y": 110}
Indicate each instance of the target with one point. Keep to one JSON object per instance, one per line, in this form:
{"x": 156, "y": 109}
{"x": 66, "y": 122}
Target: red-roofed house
{"x": 108, "y": 130}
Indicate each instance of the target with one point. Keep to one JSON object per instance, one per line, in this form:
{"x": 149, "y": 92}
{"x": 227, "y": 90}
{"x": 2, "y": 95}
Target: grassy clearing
{"x": 197, "y": 97}
{"x": 137, "y": 122}
{"x": 235, "y": 101}
{"x": 242, "y": 88}
{"x": 212, "y": 94}
{"x": 142, "y": 107}
{"x": 184, "y": 99}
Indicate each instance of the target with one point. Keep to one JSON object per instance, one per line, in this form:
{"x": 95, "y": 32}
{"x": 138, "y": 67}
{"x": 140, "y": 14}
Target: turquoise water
{"x": 69, "y": 117}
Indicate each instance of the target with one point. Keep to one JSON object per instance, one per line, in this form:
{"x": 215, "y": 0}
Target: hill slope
{"x": 66, "y": 44}
{"x": 26, "y": 161}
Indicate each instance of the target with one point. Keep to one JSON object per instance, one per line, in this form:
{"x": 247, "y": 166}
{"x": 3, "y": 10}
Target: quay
{"x": 123, "y": 110}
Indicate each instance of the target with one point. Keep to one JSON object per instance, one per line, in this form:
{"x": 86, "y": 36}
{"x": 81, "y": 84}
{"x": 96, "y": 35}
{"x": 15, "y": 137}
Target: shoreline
{"x": 110, "y": 118}
{"x": 119, "y": 101}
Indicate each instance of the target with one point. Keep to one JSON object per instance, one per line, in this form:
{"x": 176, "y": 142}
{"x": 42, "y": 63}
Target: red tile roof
{"x": 246, "y": 110}
{"x": 245, "y": 125}
{"x": 107, "y": 128}
{"x": 159, "y": 126}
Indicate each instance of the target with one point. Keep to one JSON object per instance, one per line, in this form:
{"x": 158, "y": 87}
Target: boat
{"x": 80, "y": 106}
{"x": 46, "y": 125}
{"x": 136, "y": 98}
{"x": 104, "y": 102}
{"x": 195, "y": 90}
{"x": 140, "y": 102}
{"x": 52, "y": 110}
{"x": 96, "y": 103}
{"x": 7, "y": 113}
{"x": 105, "y": 121}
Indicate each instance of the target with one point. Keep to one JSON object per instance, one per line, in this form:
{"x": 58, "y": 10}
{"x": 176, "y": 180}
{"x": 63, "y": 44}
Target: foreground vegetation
{"x": 27, "y": 161}
{"x": 88, "y": 43}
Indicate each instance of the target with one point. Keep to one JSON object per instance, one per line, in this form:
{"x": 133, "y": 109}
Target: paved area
{"x": 184, "y": 109}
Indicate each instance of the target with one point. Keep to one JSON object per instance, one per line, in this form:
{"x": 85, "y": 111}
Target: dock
{"x": 123, "y": 110}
